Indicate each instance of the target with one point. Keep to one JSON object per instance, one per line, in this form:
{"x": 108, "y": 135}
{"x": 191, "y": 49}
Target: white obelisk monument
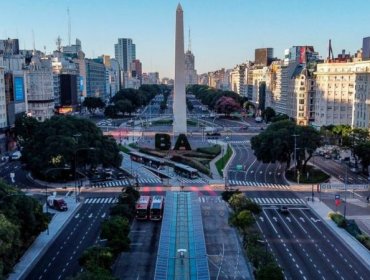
{"x": 179, "y": 98}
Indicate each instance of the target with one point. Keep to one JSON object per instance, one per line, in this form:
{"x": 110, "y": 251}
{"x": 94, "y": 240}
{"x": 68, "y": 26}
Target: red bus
{"x": 156, "y": 208}
{"x": 142, "y": 207}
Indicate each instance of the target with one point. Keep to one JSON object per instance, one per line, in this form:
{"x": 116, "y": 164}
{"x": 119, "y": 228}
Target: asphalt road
{"x": 61, "y": 258}
{"x": 305, "y": 248}
{"x": 252, "y": 169}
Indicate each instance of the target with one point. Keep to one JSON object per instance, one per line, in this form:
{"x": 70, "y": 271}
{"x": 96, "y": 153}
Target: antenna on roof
{"x": 189, "y": 43}
{"x": 69, "y": 27}
{"x": 59, "y": 43}
{"x": 331, "y": 55}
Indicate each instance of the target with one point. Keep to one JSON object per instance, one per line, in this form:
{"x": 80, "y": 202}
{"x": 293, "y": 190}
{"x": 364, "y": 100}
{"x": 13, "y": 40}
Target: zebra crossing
{"x": 125, "y": 182}
{"x": 101, "y": 200}
{"x": 239, "y": 142}
{"x": 193, "y": 181}
{"x": 277, "y": 201}
{"x": 258, "y": 184}
{"x": 214, "y": 199}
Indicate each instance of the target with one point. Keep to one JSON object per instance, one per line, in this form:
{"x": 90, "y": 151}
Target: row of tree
{"x": 55, "y": 147}
{"x": 21, "y": 221}
{"x": 355, "y": 139}
{"x": 243, "y": 218}
{"x": 225, "y": 102}
{"x": 127, "y": 101}
{"x": 97, "y": 261}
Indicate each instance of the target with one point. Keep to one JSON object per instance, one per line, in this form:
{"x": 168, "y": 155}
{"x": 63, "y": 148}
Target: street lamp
{"x": 75, "y": 173}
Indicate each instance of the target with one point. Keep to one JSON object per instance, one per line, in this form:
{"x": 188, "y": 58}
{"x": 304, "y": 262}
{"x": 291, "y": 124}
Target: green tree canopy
{"x": 268, "y": 114}
{"x": 96, "y": 257}
{"x": 93, "y": 103}
{"x": 116, "y": 231}
{"x": 54, "y": 144}
{"x": 362, "y": 150}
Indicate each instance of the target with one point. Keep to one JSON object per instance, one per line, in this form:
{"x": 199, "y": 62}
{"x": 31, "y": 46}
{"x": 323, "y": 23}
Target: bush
{"x": 353, "y": 228}
{"x": 214, "y": 150}
{"x": 253, "y": 207}
{"x": 338, "y": 219}
{"x": 227, "y": 194}
{"x": 364, "y": 239}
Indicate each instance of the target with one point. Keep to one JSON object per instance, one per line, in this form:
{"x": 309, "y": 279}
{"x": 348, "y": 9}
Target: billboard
{"x": 18, "y": 89}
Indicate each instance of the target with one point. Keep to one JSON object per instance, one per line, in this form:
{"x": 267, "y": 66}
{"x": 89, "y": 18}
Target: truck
{"x": 57, "y": 203}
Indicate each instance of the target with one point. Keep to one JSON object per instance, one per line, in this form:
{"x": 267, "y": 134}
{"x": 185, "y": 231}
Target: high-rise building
{"x": 237, "y": 79}
{"x": 263, "y": 56}
{"x": 191, "y": 76}
{"x": 125, "y": 53}
{"x": 9, "y": 47}
{"x": 136, "y": 69}
{"x": 366, "y": 48}
{"x": 40, "y": 90}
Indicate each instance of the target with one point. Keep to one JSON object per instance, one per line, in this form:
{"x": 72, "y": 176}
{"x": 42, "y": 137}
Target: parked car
{"x": 16, "y": 155}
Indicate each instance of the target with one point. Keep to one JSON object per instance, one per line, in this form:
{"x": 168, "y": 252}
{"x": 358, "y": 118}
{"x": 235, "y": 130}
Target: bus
{"x": 142, "y": 207}
{"x": 185, "y": 171}
{"x": 156, "y": 208}
{"x": 147, "y": 159}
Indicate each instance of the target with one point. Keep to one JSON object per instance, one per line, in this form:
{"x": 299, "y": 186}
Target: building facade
{"x": 40, "y": 88}
{"x": 343, "y": 94}
{"x": 125, "y": 53}
{"x": 263, "y": 56}
{"x": 191, "y": 76}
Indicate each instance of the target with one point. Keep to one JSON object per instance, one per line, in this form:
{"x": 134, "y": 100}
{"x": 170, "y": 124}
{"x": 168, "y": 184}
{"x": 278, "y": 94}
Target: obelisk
{"x": 179, "y": 97}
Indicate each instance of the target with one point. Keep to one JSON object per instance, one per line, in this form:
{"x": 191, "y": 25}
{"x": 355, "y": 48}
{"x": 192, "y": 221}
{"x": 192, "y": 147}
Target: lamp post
{"x": 75, "y": 173}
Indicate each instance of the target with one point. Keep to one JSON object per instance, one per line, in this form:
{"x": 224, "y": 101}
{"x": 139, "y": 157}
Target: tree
{"x": 116, "y": 231}
{"x": 308, "y": 141}
{"x": 242, "y": 219}
{"x": 96, "y": 257}
{"x": 362, "y": 150}
{"x": 25, "y": 128}
{"x": 280, "y": 117}
{"x": 125, "y": 106}
{"x": 237, "y": 202}
{"x": 97, "y": 274}
{"x": 268, "y": 114}
{"x": 227, "y": 105}
{"x": 55, "y": 141}
{"x": 271, "y": 271}
{"x": 111, "y": 111}
{"x": 9, "y": 244}
{"x": 93, "y": 103}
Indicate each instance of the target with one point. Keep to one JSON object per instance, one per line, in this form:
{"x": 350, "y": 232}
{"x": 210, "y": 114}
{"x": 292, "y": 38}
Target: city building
{"x": 342, "y": 94}
{"x": 219, "y": 79}
{"x": 95, "y": 78}
{"x": 125, "y": 53}
{"x": 366, "y": 48}
{"x": 191, "y": 76}
{"x": 68, "y": 93}
{"x": 136, "y": 69}
{"x": 72, "y": 50}
{"x": 9, "y": 47}
{"x": 3, "y": 114}
{"x": 263, "y": 56}
{"x": 237, "y": 79}
{"x": 39, "y": 88}
{"x": 151, "y": 78}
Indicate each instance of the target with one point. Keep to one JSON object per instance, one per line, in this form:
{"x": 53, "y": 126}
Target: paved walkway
{"x": 357, "y": 248}
{"x": 44, "y": 240}
{"x": 212, "y": 164}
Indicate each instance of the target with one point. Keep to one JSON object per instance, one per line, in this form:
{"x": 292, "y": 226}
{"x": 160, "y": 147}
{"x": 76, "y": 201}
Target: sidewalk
{"x": 355, "y": 246}
{"x": 45, "y": 239}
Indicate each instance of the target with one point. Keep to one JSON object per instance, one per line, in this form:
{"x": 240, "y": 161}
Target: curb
{"x": 31, "y": 265}
{"x": 342, "y": 236}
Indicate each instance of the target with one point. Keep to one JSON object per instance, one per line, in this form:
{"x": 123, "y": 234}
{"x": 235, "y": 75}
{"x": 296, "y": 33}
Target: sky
{"x": 224, "y": 33}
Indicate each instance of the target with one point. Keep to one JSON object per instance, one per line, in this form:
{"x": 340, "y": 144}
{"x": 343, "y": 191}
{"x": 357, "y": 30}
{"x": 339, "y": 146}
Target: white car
{"x": 16, "y": 155}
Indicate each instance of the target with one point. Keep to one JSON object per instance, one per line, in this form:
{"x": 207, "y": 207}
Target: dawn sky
{"x": 223, "y": 33}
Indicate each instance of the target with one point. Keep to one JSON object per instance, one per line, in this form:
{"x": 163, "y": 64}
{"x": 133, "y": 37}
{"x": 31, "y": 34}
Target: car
{"x": 327, "y": 156}
{"x": 245, "y": 127}
{"x": 284, "y": 209}
{"x": 16, "y": 155}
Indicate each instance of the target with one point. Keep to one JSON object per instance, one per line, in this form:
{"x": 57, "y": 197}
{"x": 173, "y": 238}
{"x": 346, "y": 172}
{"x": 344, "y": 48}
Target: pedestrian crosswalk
{"x": 213, "y": 199}
{"x": 193, "y": 181}
{"x": 239, "y": 142}
{"x": 277, "y": 201}
{"x": 258, "y": 184}
{"x": 125, "y": 182}
{"x": 101, "y": 200}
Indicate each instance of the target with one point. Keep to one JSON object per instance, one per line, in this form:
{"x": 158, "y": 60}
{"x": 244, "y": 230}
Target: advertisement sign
{"x": 302, "y": 55}
{"x": 18, "y": 89}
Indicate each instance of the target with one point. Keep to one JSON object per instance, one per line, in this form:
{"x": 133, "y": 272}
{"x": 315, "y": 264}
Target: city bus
{"x": 142, "y": 207}
{"x": 147, "y": 159}
{"x": 185, "y": 171}
{"x": 156, "y": 208}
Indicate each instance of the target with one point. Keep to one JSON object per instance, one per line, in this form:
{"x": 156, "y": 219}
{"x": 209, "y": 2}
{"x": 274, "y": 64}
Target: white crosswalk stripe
{"x": 126, "y": 182}
{"x": 278, "y": 201}
{"x": 258, "y": 184}
{"x": 212, "y": 199}
{"x": 239, "y": 142}
{"x": 193, "y": 181}
{"x": 100, "y": 200}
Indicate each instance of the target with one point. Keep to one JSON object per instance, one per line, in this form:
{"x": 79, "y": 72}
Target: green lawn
{"x": 314, "y": 176}
{"x": 220, "y": 164}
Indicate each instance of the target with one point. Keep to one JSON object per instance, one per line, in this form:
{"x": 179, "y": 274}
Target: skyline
{"x": 215, "y": 43}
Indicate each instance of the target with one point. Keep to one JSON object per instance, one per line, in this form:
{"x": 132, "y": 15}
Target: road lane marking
{"x": 270, "y": 221}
